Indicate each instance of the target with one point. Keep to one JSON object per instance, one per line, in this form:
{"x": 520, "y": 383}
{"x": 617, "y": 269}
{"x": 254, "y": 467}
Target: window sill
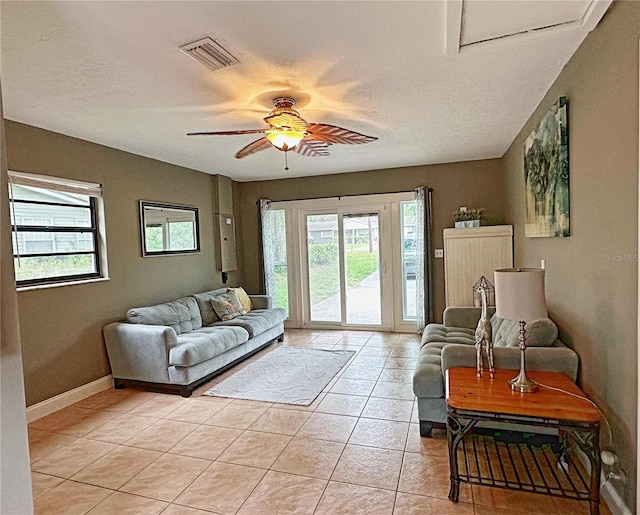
{"x": 57, "y": 285}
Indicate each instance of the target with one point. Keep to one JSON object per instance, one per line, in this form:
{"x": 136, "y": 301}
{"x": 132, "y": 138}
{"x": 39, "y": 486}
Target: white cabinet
{"x": 471, "y": 253}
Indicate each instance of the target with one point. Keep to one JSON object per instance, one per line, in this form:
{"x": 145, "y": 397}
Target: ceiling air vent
{"x": 209, "y": 53}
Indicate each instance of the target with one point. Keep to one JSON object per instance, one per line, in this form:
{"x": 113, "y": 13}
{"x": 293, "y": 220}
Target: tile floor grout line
{"x": 160, "y": 454}
{"x": 168, "y": 503}
{"x": 369, "y": 486}
{"x": 192, "y": 481}
{"x": 138, "y": 495}
{"x": 252, "y": 490}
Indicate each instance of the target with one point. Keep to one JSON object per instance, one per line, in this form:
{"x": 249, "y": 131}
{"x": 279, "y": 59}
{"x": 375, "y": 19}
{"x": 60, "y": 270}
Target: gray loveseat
{"x": 452, "y": 344}
{"x": 176, "y": 346}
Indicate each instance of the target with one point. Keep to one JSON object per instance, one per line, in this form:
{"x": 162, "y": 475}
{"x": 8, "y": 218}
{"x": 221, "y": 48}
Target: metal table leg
{"x": 588, "y": 442}
{"x": 456, "y": 431}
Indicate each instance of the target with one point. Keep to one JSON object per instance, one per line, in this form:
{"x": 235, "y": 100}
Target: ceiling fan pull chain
{"x": 286, "y": 164}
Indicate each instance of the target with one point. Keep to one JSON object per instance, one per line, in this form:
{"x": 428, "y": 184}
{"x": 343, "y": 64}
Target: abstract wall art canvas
{"x": 546, "y": 175}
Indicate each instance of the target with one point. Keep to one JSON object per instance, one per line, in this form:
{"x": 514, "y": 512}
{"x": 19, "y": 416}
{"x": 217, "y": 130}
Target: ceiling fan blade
{"x": 333, "y": 134}
{"x": 252, "y": 148}
{"x": 227, "y": 133}
{"x": 312, "y": 148}
{"x": 290, "y": 120}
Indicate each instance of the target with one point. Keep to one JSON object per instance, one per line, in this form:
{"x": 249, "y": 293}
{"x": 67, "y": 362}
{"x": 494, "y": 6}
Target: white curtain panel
{"x": 420, "y": 252}
{"x": 268, "y": 250}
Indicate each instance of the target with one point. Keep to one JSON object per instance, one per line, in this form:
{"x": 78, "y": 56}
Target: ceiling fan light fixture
{"x": 285, "y": 139}
{"x": 287, "y": 130}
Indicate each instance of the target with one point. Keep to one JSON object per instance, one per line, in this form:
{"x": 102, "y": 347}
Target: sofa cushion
{"x": 244, "y": 299}
{"x": 539, "y": 333}
{"x": 257, "y": 321}
{"x": 205, "y": 343}
{"x": 442, "y": 333}
{"x": 227, "y": 306}
{"x": 182, "y": 315}
{"x": 428, "y": 380}
{"x": 204, "y": 304}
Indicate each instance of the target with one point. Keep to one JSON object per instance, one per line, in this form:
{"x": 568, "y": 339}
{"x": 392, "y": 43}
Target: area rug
{"x": 286, "y": 375}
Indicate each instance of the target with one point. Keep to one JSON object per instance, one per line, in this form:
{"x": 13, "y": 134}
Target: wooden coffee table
{"x": 541, "y": 464}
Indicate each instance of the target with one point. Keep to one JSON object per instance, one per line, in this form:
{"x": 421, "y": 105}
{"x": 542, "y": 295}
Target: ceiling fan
{"x": 289, "y": 131}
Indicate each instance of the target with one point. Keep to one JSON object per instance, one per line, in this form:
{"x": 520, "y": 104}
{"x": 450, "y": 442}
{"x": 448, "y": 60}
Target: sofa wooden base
{"x": 185, "y": 389}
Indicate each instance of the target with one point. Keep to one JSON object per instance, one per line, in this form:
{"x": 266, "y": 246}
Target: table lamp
{"x": 520, "y": 296}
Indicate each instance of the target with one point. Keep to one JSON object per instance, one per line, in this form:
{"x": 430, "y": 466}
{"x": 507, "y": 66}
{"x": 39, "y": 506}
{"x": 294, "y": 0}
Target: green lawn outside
{"x": 360, "y": 265}
{"x": 282, "y": 300}
{"x": 30, "y": 267}
{"x": 325, "y": 278}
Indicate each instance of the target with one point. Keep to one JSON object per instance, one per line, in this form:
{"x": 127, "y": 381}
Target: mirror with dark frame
{"x": 168, "y": 229}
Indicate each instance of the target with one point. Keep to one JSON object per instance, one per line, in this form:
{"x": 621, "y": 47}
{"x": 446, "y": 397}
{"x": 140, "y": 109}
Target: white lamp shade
{"x": 520, "y": 294}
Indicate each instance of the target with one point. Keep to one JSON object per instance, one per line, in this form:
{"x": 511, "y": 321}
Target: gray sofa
{"x": 452, "y": 344}
{"x": 176, "y": 346}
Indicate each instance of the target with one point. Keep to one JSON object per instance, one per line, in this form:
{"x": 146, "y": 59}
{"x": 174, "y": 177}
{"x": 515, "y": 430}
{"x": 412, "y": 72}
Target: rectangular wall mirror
{"x": 168, "y": 229}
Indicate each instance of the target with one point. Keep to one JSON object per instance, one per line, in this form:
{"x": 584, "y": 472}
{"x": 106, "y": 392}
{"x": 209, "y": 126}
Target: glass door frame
{"x": 388, "y": 208}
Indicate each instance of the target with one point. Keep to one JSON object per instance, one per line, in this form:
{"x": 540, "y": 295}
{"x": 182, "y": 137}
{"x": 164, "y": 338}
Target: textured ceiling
{"x": 111, "y": 73}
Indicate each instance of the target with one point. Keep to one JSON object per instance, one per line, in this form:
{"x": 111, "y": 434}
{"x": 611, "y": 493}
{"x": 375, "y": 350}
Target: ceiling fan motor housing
{"x": 283, "y": 102}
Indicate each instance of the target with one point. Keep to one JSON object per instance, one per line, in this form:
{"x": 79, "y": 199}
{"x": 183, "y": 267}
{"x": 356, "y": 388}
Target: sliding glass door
{"x": 350, "y": 262}
{"x": 343, "y": 268}
{"x": 362, "y": 269}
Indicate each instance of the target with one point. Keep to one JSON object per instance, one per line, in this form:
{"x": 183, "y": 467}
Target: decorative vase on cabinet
{"x": 467, "y": 223}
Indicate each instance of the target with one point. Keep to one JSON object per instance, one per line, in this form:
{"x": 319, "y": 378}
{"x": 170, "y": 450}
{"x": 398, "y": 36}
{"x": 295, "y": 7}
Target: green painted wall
{"x": 61, "y": 327}
{"x": 592, "y": 276}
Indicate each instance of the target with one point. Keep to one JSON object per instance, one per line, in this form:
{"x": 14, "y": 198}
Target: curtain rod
{"x": 345, "y": 196}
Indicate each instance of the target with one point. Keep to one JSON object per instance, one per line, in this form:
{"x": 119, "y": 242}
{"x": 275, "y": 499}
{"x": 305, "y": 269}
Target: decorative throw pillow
{"x": 227, "y": 306}
{"x": 244, "y": 299}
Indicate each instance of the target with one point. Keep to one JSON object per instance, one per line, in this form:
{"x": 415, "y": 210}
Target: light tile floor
{"x": 355, "y": 450}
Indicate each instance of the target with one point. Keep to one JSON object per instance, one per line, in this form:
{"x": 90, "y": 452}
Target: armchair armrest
{"x": 139, "y": 351}
{"x": 463, "y": 316}
{"x": 558, "y": 358}
{"x": 261, "y": 301}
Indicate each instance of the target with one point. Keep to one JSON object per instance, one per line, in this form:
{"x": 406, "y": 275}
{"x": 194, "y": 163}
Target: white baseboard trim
{"x": 44, "y": 408}
{"x": 614, "y": 501}
{"x": 608, "y": 492}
